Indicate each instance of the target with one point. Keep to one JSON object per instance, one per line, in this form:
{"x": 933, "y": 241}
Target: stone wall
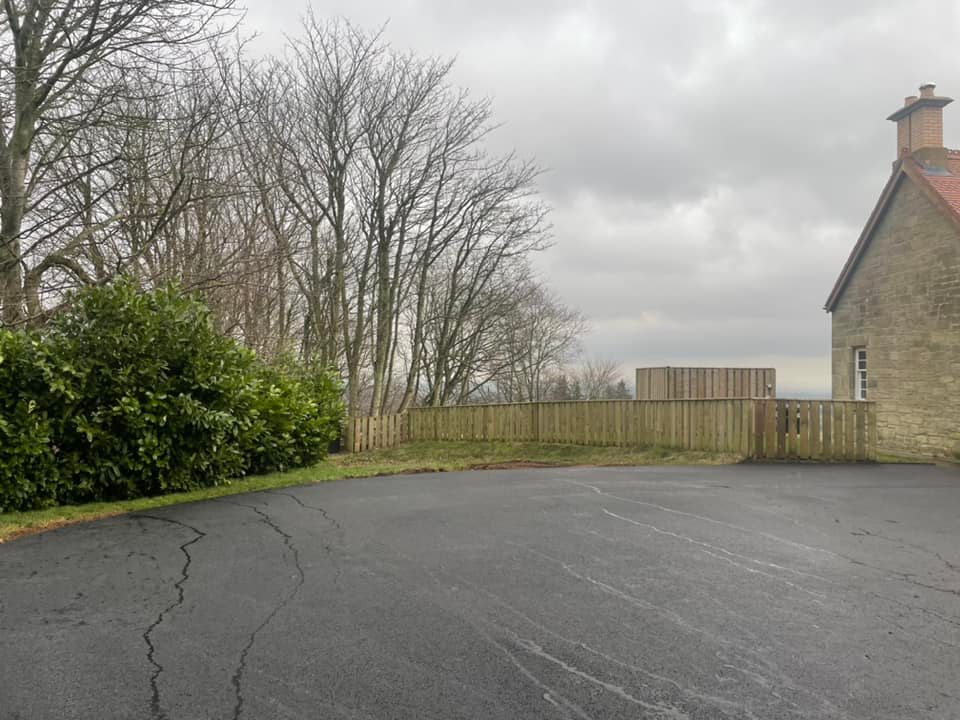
{"x": 902, "y": 303}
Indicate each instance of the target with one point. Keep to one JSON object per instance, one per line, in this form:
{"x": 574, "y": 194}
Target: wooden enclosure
{"x": 695, "y": 383}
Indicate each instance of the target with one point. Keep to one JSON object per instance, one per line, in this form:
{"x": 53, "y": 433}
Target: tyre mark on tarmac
{"x": 784, "y": 680}
{"x": 818, "y": 596}
{"x": 567, "y": 707}
{"x": 885, "y": 572}
{"x": 692, "y": 693}
{"x": 664, "y": 508}
{"x": 662, "y": 710}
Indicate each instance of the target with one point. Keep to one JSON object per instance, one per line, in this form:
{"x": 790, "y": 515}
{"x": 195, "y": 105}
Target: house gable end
{"x": 850, "y": 265}
{"x": 906, "y": 171}
{"x": 899, "y": 311}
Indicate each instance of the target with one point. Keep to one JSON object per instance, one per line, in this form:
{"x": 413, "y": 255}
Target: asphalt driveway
{"x": 710, "y": 592}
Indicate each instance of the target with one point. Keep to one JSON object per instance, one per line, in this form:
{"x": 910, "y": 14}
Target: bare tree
{"x": 59, "y": 59}
{"x": 336, "y": 201}
{"x": 542, "y": 335}
{"x": 379, "y": 161}
{"x": 463, "y": 323}
{"x": 600, "y": 379}
{"x": 301, "y": 154}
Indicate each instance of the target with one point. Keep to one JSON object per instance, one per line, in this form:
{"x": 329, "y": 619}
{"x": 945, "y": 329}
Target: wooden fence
{"x": 722, "y": 425}
{"x": 815, "y": 430}
{"x": 698, "y": 383}
{"x": 763, "y": 429}
{"x": 373, "y": 433}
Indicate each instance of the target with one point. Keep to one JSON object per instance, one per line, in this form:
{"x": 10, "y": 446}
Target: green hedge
{"x": 29, "y": 473}
{"x": 134, "y": 393}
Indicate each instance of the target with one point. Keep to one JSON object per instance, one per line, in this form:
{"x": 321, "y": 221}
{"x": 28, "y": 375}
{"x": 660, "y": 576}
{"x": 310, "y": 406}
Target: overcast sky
{"x": 710, "y": 164}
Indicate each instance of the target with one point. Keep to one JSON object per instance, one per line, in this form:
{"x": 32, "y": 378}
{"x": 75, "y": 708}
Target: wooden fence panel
{"x": 826, "y": 431}
{"x": 803, "y": 428}
{"x": 373, "y": 433}
{"x": 754, "y": 428}
{"x": 835, "y": 411}
{"x": 782, "y": 422}
{"x": 770, "y": 429}
{"x": 849, "y": 431}
{"x": 759, "y": 420}
{"x": 861, "y": 441}
{"x": 814, "y": 430}
{"x": 816, "y": 410}
{"x": 718, "y": 425}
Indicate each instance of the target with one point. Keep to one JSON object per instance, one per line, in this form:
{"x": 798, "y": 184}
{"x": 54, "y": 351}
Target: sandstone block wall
{"x": 903, "y": 304}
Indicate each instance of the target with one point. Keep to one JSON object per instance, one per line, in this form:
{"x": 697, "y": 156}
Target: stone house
{"x": 895, "y": 308}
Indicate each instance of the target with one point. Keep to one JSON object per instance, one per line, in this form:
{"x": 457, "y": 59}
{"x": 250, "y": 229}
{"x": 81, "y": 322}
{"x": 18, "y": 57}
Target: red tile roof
{"x": 947, "y": 187}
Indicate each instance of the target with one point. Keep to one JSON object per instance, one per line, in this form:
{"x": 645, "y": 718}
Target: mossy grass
{"x": 408, "y": 458}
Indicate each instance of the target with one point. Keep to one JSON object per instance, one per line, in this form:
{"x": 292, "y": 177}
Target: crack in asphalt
{"x": 950, "y": 565}
{"x": 301, "y": 503}
{"x": 909, "y": 577}
{"x": 155, "y": 708}
{"x": 326, "y": 516}
{"x": 237, "y": 678}
{"x": 863, "y": 532}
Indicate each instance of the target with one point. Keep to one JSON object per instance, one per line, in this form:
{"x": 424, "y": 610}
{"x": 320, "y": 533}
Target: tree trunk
{"x": 12, "y": 204}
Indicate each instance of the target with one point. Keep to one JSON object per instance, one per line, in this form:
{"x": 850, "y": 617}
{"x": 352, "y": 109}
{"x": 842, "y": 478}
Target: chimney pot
{"x": 926, "y": 90}
{"x": 909, "y": 100}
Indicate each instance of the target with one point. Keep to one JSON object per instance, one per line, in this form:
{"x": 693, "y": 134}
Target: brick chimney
{"x": 920, "y": 127}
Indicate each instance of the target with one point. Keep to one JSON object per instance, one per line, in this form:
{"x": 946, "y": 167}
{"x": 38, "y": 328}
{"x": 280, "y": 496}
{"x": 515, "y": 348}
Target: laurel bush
{"x": 132, "y": 393}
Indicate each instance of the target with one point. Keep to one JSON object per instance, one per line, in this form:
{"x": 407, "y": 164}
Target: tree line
{"x": 337, "y": 201}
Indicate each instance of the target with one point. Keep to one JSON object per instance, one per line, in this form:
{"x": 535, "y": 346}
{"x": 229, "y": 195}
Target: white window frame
{"x": 860, "y": 373}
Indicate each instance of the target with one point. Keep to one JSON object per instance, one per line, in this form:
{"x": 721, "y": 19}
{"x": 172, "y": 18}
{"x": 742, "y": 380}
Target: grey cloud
{"x": 711, "y": 163}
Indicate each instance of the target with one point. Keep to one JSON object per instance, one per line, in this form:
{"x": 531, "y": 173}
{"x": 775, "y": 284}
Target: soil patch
{"x": 517, "y": 465}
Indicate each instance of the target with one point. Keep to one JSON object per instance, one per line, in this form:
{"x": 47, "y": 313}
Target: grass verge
{"x": 893, "y": 459}
{"x": 414, "y": 457}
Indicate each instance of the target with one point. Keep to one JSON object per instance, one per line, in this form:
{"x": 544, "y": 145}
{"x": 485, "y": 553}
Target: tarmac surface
{"x": 751, "y": 591}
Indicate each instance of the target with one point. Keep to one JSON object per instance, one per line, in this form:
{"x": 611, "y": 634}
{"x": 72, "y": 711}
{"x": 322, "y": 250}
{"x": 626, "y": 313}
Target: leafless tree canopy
{"x": 336, "y": 202}
{"x": 596, "y": 379}
{"x": 68, "y": 72}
